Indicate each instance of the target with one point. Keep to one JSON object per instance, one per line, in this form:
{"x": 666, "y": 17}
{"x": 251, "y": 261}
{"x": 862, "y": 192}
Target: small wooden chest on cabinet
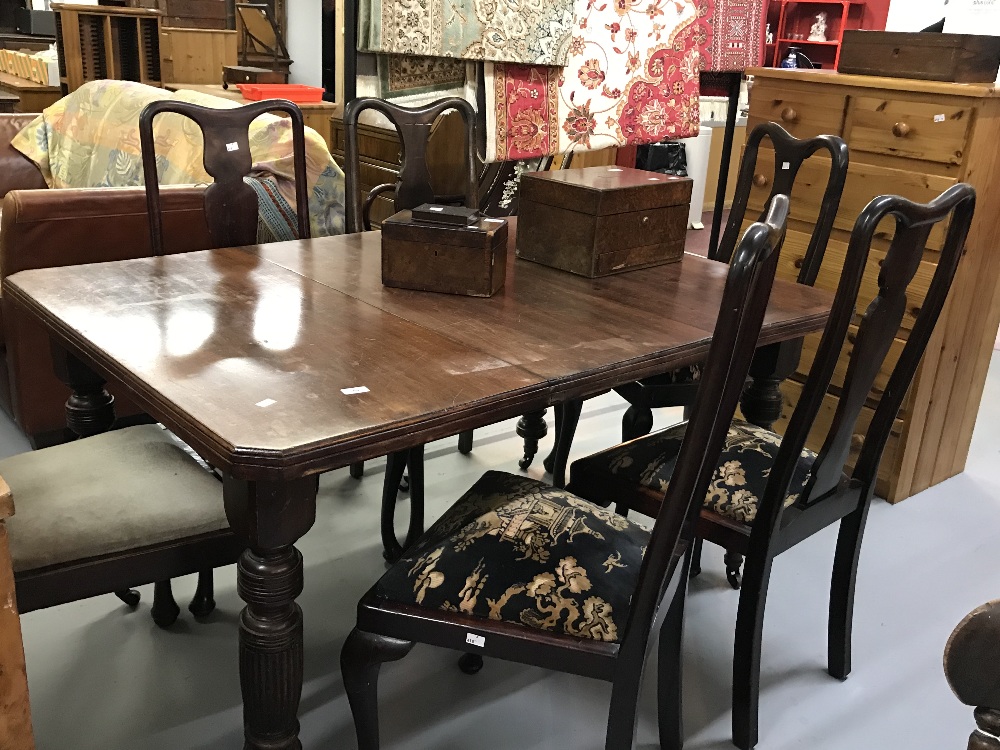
{"x": 602, "y": 220}
{"x": 470, "y": 260}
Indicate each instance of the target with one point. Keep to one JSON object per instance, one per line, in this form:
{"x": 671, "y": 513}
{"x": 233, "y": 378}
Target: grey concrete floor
{"x": 103, "y": 678}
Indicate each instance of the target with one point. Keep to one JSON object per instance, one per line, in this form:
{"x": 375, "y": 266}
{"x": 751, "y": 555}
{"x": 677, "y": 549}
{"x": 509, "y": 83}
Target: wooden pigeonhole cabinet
{"x": 915, "y": 139}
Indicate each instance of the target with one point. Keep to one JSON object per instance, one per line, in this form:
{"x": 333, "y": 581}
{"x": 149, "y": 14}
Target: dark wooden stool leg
{"x": 761, "y": 402}
{"x": 165, "y": 609}
{"x": 637, "y": 421}
{"x": 550, "y": 459}
{"x": 470, "y": 663}
{"x": 465, "y": 442}
{"x": 203, "y": 602}
{"x": 734, "y": 561}
{"x": 532, "y": 428}
{"x": 358, "y": 469}
{"x": 415, "y": 462}
{"x": 565, "y": 433}
{"x": 395, "y": 465}
{"x": 696, "y": 557}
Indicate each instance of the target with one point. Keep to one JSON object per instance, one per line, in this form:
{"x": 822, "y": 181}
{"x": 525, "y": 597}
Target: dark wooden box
{"x": 602, "y": 220}
{"x": 468, "y": 260}
{"x": 250, "y": 74}
{"x": 958, "y": 58}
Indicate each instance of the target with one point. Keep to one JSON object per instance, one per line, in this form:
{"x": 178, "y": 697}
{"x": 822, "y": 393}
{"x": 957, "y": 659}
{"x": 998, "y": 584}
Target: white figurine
{"x": 818, "y": 31}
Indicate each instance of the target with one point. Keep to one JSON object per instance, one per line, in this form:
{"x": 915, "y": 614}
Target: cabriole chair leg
{"x": 203, "y": 602}
{"x": 360, "y": 661}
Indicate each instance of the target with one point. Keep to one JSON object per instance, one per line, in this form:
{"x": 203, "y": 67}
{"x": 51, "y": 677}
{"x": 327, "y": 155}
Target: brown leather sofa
{"x": 42, "y": 228}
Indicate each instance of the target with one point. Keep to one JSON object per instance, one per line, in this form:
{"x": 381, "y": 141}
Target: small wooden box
{"x": 602, "y": 220}
{"x": 250, "y": 74}
{"x": 957, "y": 58}
{"x": 469, "y": 260}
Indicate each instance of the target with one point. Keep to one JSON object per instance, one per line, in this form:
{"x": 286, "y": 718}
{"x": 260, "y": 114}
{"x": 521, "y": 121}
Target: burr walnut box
{"x": 455, "y": 251}
{"x": 598, "y": 221}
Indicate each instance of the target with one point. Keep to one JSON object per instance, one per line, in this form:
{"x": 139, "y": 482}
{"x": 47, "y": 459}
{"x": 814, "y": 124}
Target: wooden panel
{"x": 930, "y": 131}
{"x": 864, "y": 182}
{"x": 884, "y": 487}
{"x": 15, "y": 712}
{"x": 954, "y": 390}
{"x": 811, "y": 343}
{"x": 196, "y": 55}
{"x": 794, "y": 251}
{"x": 803, "y": 113}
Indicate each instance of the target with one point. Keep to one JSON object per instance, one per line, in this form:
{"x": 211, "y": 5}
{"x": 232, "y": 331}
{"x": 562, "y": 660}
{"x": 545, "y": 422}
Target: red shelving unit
{"x": 796, "y": 17}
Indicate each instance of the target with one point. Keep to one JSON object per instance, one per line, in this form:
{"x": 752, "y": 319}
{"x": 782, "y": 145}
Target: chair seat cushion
{"x": 521, "y": 551}
{"x": 109, "y": 493}
{"x": 647, "y": 463}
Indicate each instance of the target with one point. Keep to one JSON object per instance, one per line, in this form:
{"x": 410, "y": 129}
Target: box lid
{"x": 605, "y": 190}
{"x": 482, "y": 234}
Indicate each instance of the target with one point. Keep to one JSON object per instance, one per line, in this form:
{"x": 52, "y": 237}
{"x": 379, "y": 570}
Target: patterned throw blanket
{"x": 526, "y": 31}
{"x": 91, "y": 139}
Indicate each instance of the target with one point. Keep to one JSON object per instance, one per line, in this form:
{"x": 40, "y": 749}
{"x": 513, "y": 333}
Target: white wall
{"x": 913, "y": 15}
{"x": 305, "y": 41}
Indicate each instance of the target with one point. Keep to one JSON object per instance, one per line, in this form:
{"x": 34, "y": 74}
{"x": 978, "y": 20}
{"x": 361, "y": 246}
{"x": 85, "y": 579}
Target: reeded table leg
{"x": 271, "y": 516}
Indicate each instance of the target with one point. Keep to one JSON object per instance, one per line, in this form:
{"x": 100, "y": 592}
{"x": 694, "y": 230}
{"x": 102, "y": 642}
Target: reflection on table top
{"x": 287, "y": 359}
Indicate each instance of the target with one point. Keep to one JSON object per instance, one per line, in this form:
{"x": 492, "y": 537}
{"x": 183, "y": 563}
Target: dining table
{"x": 280, "y": 362}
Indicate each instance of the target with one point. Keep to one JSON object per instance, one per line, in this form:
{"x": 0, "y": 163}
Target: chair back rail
{"x": 789, "y": 155}
{"x": 230, "y": 204}
{"x": 414, "y": 127}
{"x": 734, "y": 340}
{"x": 878, "y": 326}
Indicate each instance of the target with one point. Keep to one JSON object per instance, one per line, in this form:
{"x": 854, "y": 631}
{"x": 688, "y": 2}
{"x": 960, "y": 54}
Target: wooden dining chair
{"x": 231, "y": 212}
{"x": 527, "y": 572}
{"x": 972, "y": 666}
{"x": 768, "y": 492}
{"x": 773, "y": 363}
{"x": 413, "y": 188}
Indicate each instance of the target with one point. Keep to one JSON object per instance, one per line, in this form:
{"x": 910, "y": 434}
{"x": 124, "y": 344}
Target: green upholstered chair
{"x": 115, "y": 510}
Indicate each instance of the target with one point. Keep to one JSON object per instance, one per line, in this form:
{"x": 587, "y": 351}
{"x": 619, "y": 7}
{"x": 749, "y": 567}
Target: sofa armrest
{"x": 51, "y": 228}
{"x": 17, "y": 171}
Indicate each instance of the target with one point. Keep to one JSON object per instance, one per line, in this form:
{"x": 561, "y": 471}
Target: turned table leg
{"x": 271, "y": 517}
{"x": 532, "y": 428}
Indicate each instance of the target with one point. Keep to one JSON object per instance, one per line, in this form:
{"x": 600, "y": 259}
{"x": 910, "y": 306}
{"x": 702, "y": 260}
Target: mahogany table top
{"x": 289, "y": 359}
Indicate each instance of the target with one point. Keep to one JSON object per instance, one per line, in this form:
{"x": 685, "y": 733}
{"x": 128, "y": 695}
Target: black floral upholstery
{"x": 736, "y": 487}
{"x": 521, "y": 551}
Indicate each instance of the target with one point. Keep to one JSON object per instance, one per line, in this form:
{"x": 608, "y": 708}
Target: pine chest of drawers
{"x": 910, "y": 138}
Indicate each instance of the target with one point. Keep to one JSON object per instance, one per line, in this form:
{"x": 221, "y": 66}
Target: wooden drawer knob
{"x": 857, "y": 441}
{"x": 901, "y": 130}
{"x": 789, "y": 115}
{"x": 798, "y": 262}
{"x": 760, "y": 180}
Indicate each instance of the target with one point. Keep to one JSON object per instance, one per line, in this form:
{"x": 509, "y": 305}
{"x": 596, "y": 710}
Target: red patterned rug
{"x": 735, "y": 34}
{"x": 632, "y": 78}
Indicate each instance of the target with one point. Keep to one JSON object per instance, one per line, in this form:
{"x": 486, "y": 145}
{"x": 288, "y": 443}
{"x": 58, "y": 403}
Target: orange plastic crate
{"x": 293, "y": 92}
